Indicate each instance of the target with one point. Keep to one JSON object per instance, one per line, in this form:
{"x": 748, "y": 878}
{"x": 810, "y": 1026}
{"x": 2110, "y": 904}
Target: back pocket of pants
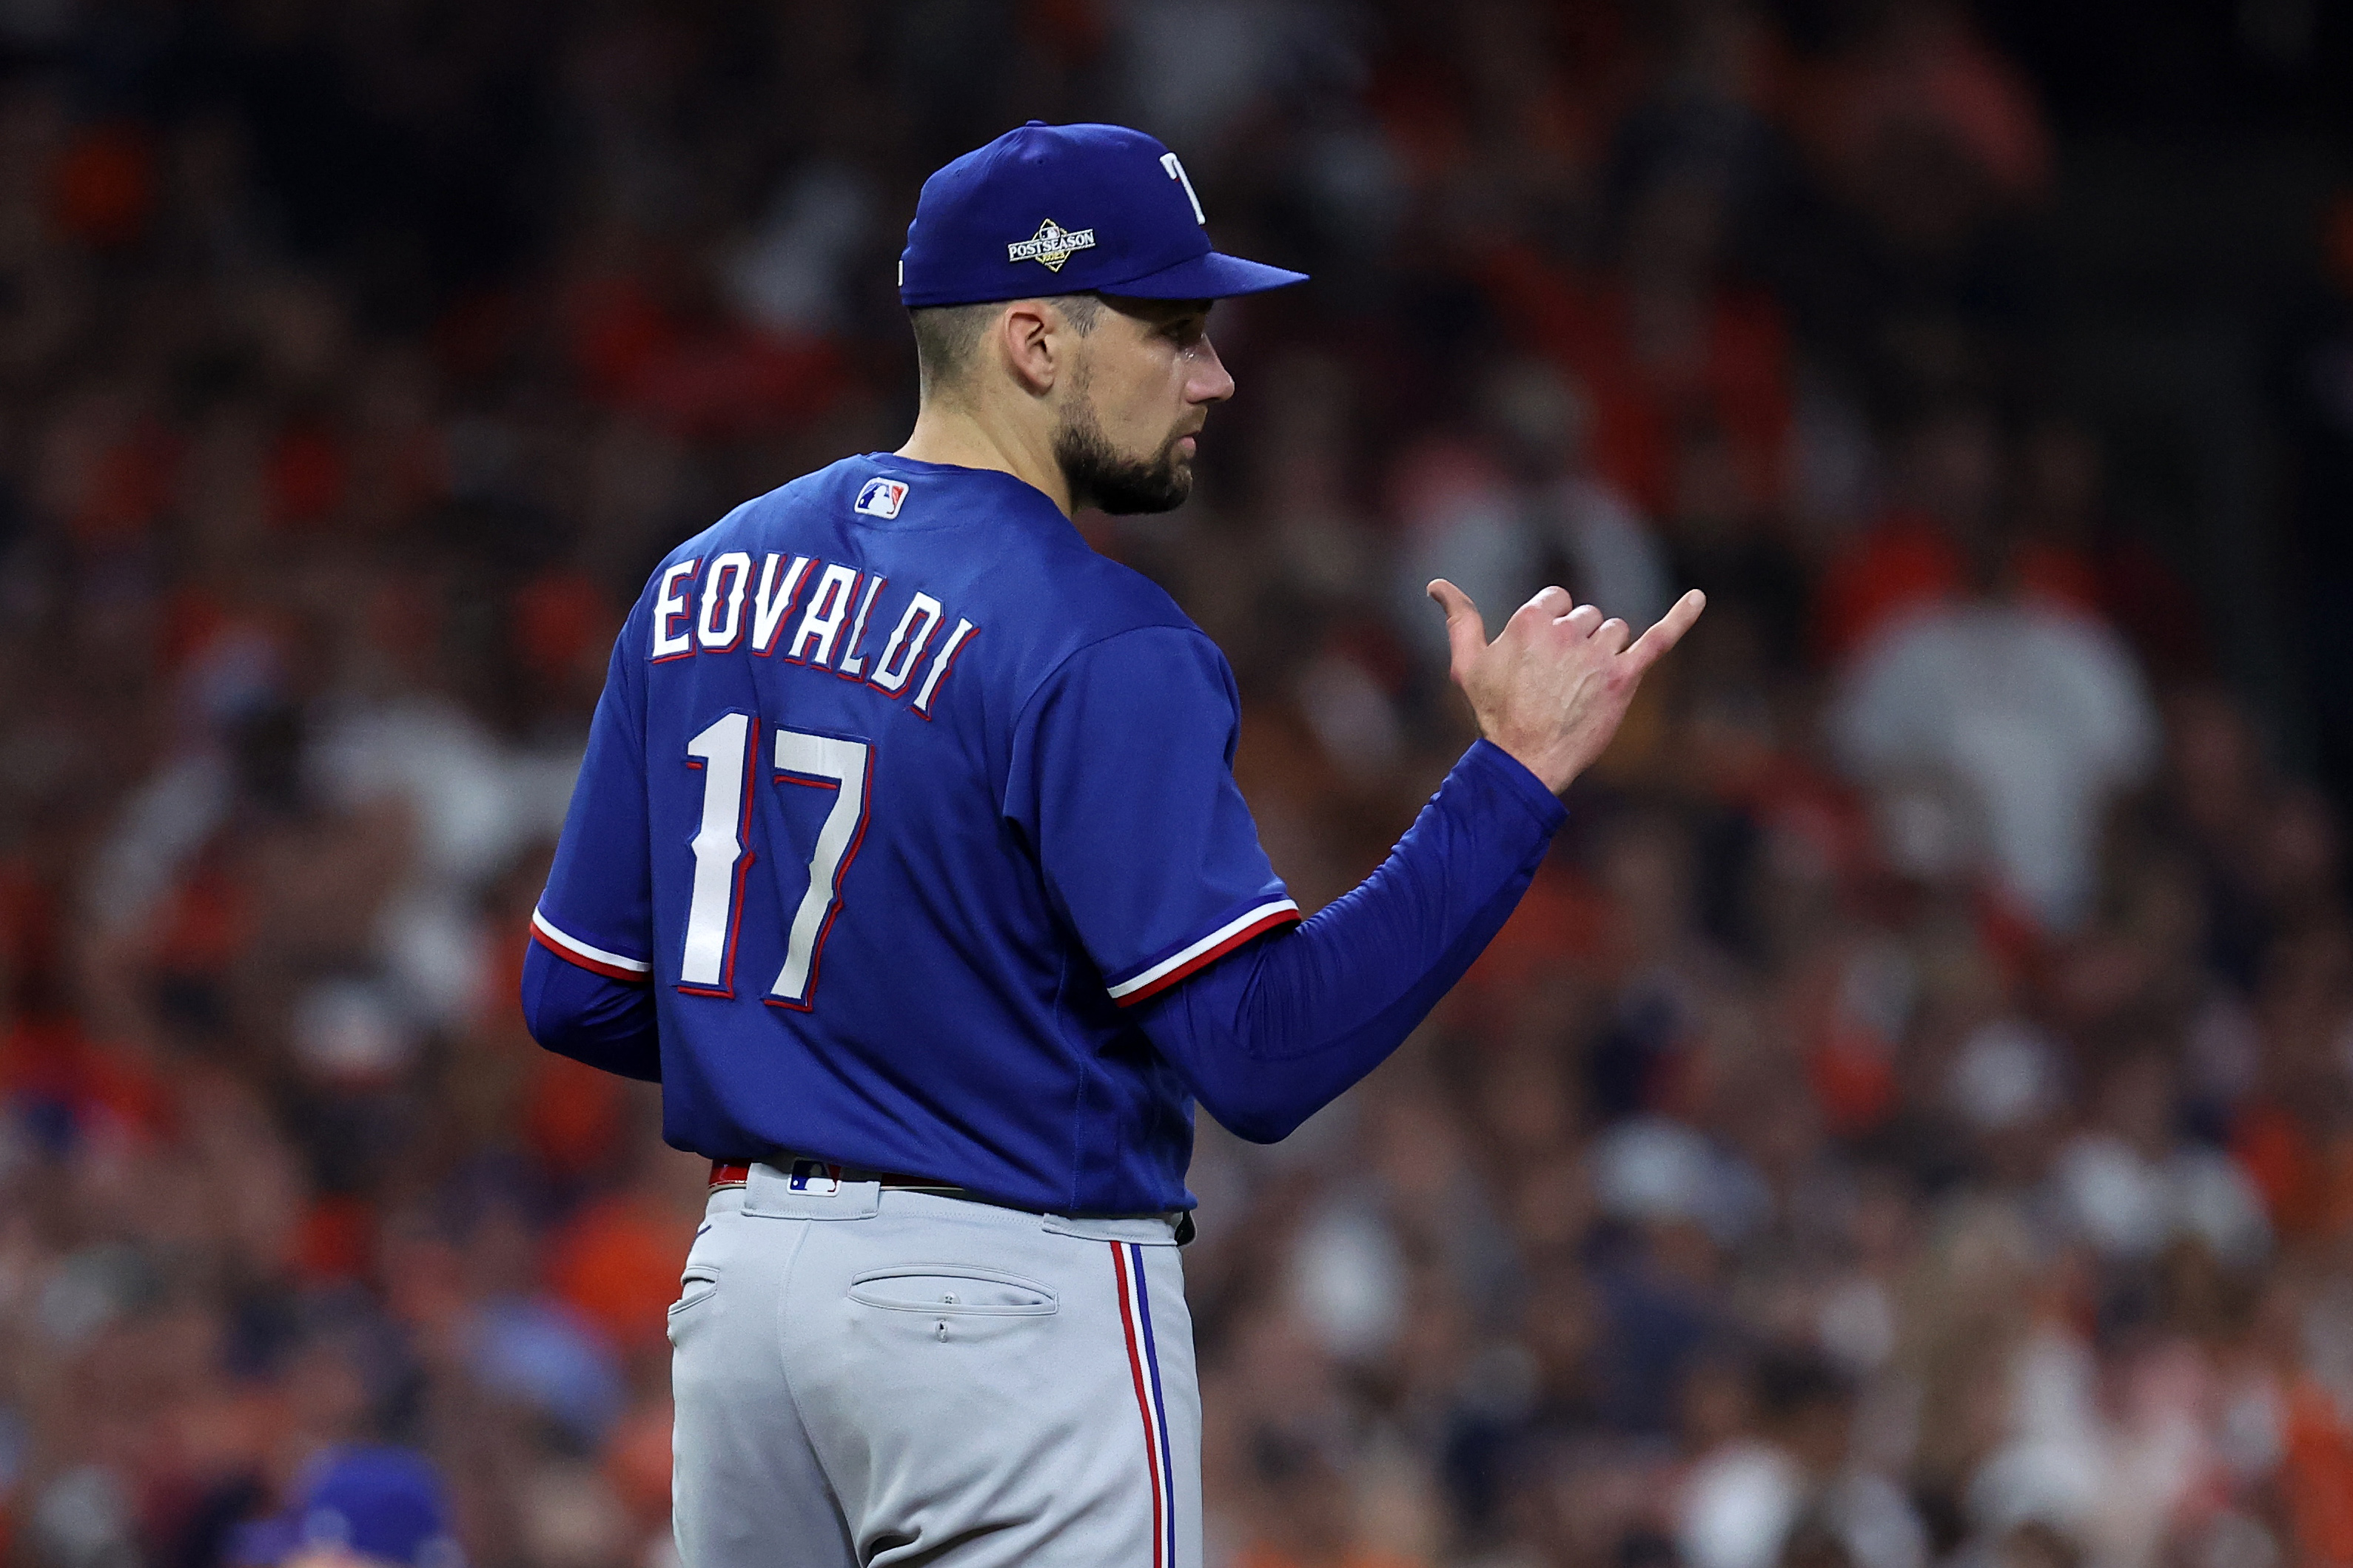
{"x": 694, "y": 1286}
{"x": 952, "y": 1289}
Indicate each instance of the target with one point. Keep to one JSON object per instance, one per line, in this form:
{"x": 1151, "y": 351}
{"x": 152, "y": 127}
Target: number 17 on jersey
{"x": 727, "y": 756}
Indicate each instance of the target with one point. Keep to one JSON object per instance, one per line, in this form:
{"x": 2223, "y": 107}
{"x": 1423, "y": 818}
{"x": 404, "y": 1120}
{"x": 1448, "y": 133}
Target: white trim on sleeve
{"x": 1176, "y": 961}
{"x": 574, "y": 945}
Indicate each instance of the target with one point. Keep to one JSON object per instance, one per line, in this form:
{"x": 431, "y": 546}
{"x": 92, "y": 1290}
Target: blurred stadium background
{"x": 1911, "y": 1121}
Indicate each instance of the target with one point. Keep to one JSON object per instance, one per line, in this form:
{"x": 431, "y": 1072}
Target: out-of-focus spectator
{"x": 2038, "y": 713}
{"x": 358, "y": 1506}
{"x": 1759, "y": 1500}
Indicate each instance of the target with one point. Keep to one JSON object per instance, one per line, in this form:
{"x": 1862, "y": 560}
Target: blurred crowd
{"x": 1909, "y": 1122}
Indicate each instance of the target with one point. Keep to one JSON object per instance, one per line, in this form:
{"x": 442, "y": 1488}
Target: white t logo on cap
{"x": 1176, "y": 173}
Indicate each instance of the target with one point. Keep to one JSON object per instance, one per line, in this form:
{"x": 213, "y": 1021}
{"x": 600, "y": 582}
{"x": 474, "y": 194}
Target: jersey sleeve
{"x": 597, "y": 909}
{"x": 1122, "y": 782}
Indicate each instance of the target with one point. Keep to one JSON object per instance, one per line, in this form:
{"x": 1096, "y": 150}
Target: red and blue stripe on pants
{"x": 1144, "y": 1362}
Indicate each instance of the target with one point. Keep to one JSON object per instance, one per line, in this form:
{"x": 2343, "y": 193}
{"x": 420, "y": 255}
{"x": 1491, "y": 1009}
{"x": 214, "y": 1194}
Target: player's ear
{"x": 1028, "y": 336}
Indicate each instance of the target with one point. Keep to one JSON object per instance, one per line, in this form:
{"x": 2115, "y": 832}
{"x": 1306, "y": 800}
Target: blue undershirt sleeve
{"x": 606, "y": 1023}
{"x": 1276, "y": 1030}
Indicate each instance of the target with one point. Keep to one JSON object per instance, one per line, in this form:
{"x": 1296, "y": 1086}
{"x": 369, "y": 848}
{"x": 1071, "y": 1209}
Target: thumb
{"x": 1466, "y": 633}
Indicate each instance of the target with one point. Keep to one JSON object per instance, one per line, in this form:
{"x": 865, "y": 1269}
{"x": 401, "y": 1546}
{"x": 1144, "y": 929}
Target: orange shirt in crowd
{"x": 616, "y": 1263}
{"x": 1904, "y": 561}
{"x": 2319, "y": 1476}
{"x": 2306, "y": 1181}
{"x": 1738, "y": 387}
{"x": 710, "y": 378}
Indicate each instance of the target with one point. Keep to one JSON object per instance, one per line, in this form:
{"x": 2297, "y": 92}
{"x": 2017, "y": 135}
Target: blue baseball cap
{"x": 385, "y": 1504}
{"x": 1067, "y": 209}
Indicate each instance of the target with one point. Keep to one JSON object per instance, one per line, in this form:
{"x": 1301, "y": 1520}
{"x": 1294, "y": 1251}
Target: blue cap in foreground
{"x": 1067, "y": 209}
{"x": 382, "y": 1504}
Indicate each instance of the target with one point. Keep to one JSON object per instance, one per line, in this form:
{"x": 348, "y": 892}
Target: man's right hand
{"x": 1552, "y": 689}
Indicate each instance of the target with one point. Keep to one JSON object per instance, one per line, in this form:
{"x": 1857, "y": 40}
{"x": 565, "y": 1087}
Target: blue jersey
{"x": 898, "y": 793}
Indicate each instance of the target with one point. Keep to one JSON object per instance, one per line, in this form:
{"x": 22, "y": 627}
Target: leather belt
{"x": 803, "y": 1174}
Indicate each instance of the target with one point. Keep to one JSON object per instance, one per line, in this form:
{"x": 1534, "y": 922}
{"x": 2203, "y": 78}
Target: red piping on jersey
{"x": 955, "y": 654}
{"x": 608, "y": 971}
{"x": 795, "y": 580}
{"x": 857, "y": 633}
{"x": 717, "y": 601}
{"x": 744, "y": 856}
{"x": 820, "y": 603}
{"x": 686, "y": 610}
{"x": 825, "y": 928}
{"x": 1202, "y": 961}
{"x": 915, "y": 658}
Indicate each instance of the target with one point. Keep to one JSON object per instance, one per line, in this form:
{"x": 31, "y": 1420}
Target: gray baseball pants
{"x": 867, "y": 1376}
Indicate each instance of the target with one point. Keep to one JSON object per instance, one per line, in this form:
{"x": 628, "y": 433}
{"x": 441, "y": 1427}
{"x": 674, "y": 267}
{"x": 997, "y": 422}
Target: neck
{"x": 949, "y": 431}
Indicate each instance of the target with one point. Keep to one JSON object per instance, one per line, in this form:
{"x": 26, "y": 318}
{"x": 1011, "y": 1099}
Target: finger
{"x": 1466, "y": 631}
{"x": 1584, "y": 620}
{"x": 1670, "y": 631}
{"x": 1614, "y": 634}
{"x": 1540, "y": 614}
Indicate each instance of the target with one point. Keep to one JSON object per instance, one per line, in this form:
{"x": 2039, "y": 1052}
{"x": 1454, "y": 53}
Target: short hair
{"x": 946, "y": 335}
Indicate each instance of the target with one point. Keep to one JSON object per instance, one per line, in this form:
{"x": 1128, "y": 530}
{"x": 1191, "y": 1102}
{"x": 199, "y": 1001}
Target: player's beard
{"x": 1100, "y": 477}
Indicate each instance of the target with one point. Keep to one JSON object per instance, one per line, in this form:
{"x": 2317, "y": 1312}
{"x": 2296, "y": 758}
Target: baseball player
{"x": 907, "y": 856}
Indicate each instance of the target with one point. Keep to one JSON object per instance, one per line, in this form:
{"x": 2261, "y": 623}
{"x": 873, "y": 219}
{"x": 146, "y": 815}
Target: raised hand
{"x": 1552, "y": 689}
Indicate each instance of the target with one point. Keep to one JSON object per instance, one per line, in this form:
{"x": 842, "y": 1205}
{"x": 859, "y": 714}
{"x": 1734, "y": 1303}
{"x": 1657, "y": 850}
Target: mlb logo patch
{"x": 809, "y": 1175}
{"x": 882, "y": 498}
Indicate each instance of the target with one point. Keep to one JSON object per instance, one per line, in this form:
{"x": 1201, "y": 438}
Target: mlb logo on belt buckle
{"x": 810, "y": 1175}
{"x": 882, "y": 498}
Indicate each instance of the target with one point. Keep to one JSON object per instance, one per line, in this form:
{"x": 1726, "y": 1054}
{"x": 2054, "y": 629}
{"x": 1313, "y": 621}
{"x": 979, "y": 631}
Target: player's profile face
{"x": 1141, "y": 387}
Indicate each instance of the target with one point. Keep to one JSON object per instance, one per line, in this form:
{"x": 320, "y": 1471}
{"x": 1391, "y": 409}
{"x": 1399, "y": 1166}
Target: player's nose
{"x": 1210, "y": 381}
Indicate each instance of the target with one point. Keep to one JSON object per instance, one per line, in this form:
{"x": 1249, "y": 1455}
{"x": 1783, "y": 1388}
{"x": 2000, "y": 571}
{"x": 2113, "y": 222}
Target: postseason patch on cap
{"x": 982, "y": 221}
{"x": 882, "y": 498}
{"x": 1052, "y": 244}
